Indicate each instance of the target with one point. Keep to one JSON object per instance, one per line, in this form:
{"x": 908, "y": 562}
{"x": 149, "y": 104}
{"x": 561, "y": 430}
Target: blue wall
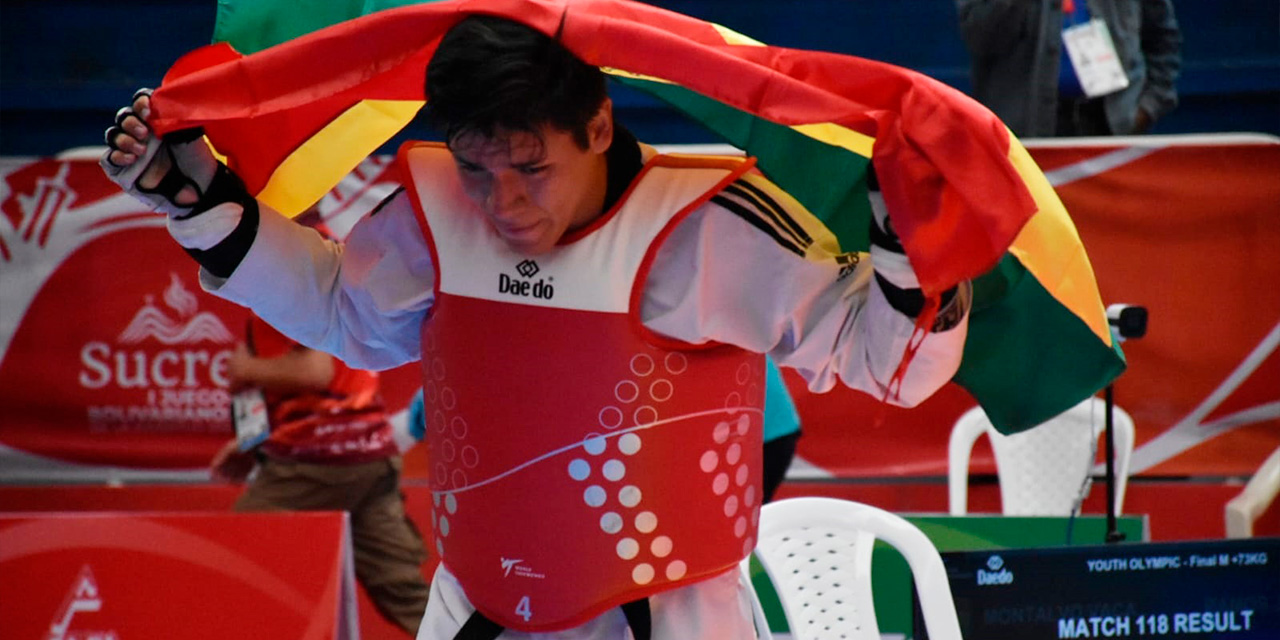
{"x": 67, "y": 65}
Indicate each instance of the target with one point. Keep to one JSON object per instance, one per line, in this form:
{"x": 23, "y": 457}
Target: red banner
{"x": 117, "y": 576}
{"x": 1187, "y": 226}
{"x": 112, "y": 359}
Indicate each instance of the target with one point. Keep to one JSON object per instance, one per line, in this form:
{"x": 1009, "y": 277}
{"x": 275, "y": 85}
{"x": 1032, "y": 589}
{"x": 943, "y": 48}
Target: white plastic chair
{"x": 1041, "y": 470}
{"x": 817, "y": 553}
{"x": 1257, "y": 496}
{"x": 763, "y": 632}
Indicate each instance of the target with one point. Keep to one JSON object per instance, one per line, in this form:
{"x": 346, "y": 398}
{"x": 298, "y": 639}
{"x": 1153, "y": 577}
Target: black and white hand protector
{"x": 205, "y": 202}
{"x": 190, "y": 164}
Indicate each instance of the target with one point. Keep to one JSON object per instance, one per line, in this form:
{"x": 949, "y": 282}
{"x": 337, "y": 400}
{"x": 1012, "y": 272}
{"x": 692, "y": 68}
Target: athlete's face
{"x": 535, "y": 187}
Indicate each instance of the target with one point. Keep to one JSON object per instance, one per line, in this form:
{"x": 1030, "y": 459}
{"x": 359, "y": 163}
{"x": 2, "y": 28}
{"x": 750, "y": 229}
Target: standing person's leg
{"x": 778, "y": 454}
{"x": 288, "y": 486}
{"x": 1068, "y": 120}
{"x": 1082, "y": 117}
{"x": 781, "y": 430}
{"x": 389, "y": 551}
{"x": 388, "y": 548}
{"x": 1093, "y": 118}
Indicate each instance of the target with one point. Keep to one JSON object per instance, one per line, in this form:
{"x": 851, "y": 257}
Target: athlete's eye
{"x": 532, "y": 170}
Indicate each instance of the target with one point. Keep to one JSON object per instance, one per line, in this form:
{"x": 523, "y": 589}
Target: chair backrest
{"x": 763, "y": 632}
{"x": 817, "y": 553}
{"x": 1254, "y": 499}
{"x": 1043, "y": 469}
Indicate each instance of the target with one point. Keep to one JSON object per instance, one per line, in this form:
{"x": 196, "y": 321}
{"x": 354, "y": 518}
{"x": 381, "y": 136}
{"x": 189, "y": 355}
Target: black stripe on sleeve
{"x": 385, "y": 201}
{"x": 755, "y": 220}
{"x": 771, "y": 206}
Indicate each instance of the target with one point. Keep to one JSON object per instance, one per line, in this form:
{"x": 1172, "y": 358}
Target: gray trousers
{"x": 388, "y": 548}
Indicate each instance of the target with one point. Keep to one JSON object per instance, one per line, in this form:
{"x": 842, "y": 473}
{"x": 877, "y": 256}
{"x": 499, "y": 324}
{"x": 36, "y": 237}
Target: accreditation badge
{"x": 1093, "y": 56}
{"x": 249, "y": 414}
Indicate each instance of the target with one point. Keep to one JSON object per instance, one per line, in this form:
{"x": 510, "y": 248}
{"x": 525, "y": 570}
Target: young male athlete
{"x": 589, "y": 316}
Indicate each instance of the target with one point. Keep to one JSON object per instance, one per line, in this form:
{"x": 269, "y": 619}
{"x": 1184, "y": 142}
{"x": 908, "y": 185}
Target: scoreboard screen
{"x": 1206, "y": 590}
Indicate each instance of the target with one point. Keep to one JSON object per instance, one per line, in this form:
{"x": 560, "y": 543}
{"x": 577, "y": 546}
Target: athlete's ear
{"x": 600, "y": 128}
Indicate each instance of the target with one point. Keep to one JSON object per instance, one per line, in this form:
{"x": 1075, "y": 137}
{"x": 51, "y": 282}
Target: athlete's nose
{"x": 507, "y": 193}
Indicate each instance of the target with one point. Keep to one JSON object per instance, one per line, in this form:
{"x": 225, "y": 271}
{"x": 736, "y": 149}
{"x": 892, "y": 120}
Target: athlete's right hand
{"x": 170, "y": 175}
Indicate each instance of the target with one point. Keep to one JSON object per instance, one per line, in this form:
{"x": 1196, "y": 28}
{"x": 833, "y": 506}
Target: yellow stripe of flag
{"x": 324, "y": 159}
{"x": 838, "y": 136}
{"x": 1050, "y": 248}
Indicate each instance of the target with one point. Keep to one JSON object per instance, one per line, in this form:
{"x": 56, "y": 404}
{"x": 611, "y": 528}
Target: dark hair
{"x": 491, "y": 74}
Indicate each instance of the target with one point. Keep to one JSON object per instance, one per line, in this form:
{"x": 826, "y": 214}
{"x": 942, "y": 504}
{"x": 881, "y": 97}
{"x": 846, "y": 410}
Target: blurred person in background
{"x": 1021, "y": 69}
{"x": 781, "y": 429}
{"x": 330, "y": 448}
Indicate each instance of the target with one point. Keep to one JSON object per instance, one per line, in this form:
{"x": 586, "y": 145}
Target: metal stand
{"x": 1127, "y": 321}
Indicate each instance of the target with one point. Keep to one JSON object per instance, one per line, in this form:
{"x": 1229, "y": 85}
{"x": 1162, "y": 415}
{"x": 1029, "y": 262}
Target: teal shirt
{"x": 418, "y": 417}
{"x": 780, "y": 417}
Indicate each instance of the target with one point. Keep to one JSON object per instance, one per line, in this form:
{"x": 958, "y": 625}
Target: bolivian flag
{"x": 967, "y": 200}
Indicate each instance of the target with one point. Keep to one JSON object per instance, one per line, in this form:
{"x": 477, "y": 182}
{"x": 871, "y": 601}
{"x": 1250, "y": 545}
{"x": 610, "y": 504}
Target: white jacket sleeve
{"x": 718, "y": 278}
{"x": 362, "y": 301}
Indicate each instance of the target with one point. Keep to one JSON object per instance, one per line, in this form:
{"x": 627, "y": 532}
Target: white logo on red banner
{"x": 185, "y": 378}
{"x": 82, "y": 597}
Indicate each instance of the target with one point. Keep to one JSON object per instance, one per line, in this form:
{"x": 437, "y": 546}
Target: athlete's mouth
{"x": 517, "y": 229}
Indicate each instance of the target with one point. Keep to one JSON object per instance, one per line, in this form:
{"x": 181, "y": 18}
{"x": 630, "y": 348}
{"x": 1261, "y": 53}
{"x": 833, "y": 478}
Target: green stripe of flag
{"x": 252, "y": 26}
{"x": 1019, "y": 332}
{"x": 829, "y": 181}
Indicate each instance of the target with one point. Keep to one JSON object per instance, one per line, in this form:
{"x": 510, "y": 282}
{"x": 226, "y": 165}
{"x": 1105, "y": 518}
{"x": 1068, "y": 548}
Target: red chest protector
{"x": 578, "y": 461}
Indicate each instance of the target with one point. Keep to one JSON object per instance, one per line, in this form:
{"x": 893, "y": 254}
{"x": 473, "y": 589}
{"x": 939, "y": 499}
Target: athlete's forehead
{"x": 502, "y": 148}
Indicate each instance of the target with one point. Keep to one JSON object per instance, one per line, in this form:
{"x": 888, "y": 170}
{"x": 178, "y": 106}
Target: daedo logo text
{"x": 527, "y": 287}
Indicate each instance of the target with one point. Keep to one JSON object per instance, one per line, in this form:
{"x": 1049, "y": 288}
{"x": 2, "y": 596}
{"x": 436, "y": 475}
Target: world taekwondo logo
{"x": 507, "y": 565}
{"x": 526, "y": 288}
{"x": 512, "y": 566}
